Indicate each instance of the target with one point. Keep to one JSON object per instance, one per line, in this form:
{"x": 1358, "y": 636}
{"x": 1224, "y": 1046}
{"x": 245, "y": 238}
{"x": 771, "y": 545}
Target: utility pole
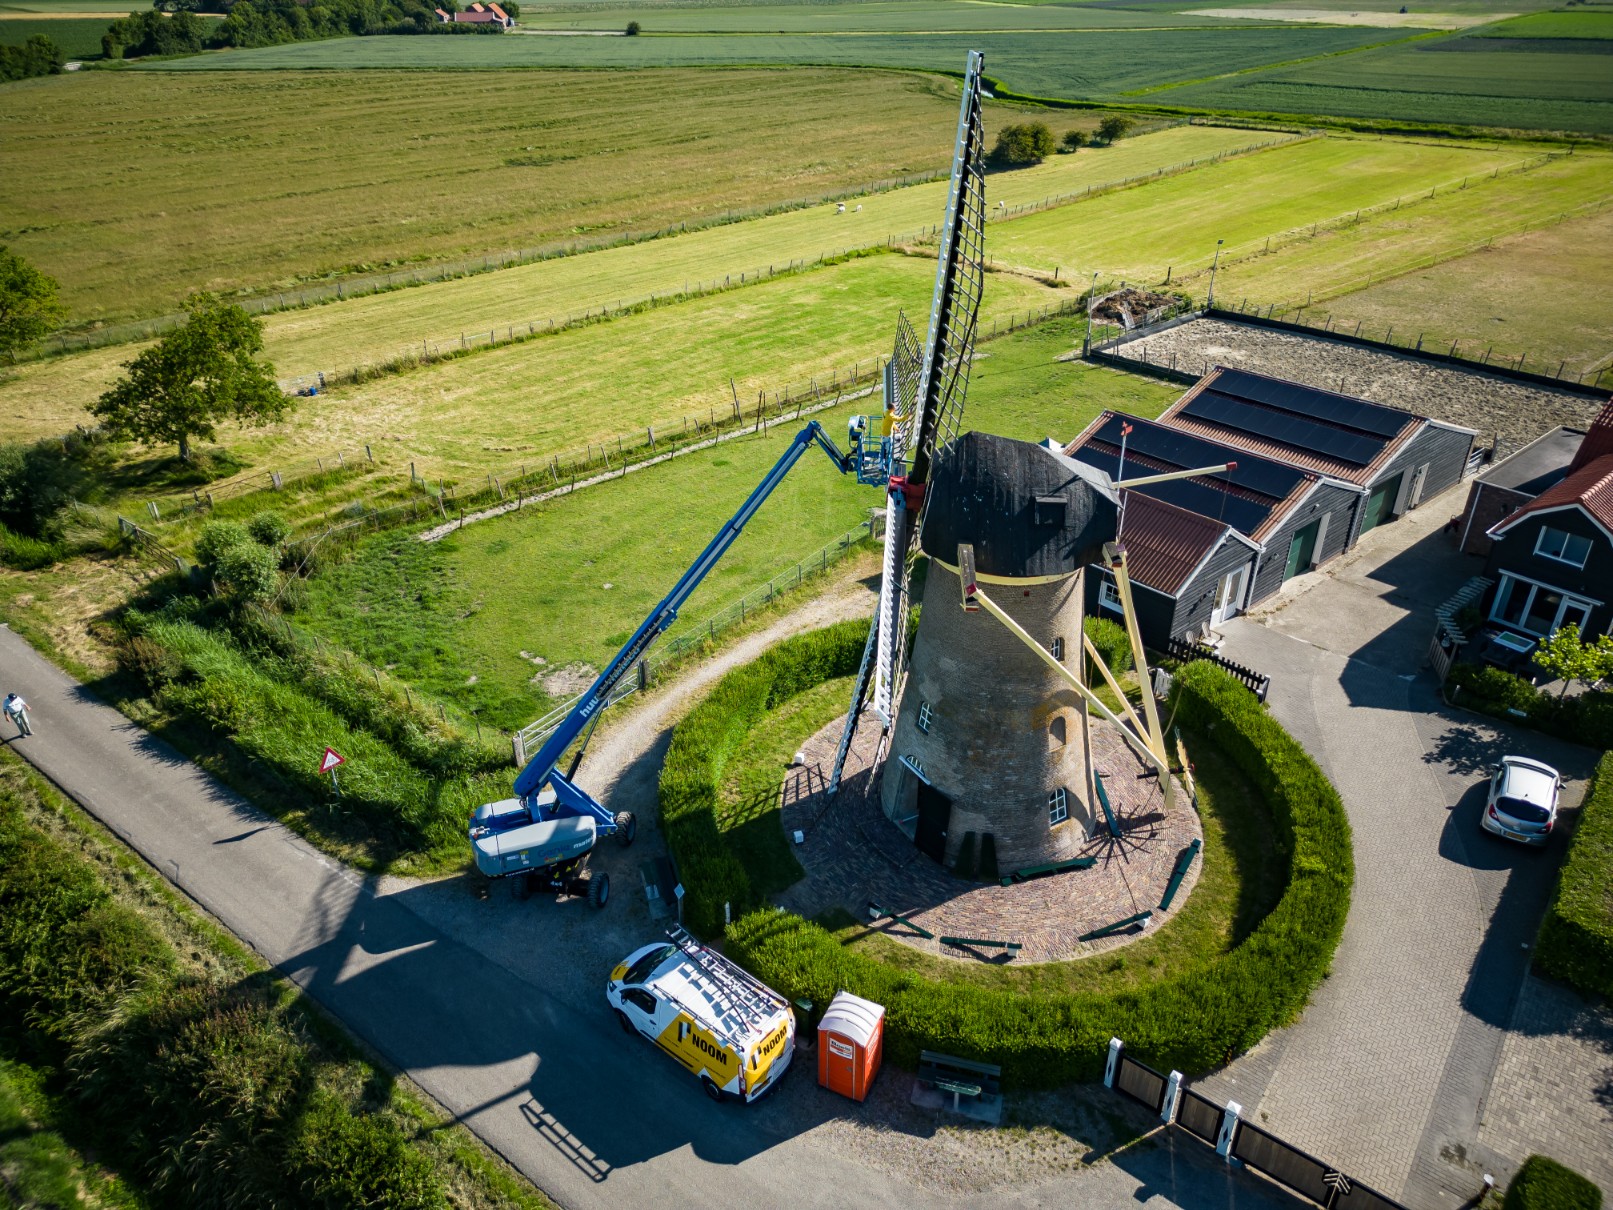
{"x": 1209, "y": 302}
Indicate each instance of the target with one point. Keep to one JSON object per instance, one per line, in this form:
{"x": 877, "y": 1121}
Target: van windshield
{"x": 645, "y": 966}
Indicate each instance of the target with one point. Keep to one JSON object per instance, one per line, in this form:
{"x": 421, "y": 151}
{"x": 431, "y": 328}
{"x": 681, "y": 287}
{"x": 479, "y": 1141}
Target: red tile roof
{"x": 1590, "y": 487}
{"x": 1165, "y": 544}
{"x": 1598, "y": 441}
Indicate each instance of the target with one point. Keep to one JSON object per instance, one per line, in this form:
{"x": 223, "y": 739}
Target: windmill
{"x": 924, "y": 397}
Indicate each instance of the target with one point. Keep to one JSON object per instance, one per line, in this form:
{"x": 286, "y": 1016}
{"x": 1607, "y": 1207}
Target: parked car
{"x": 1522, "y": 804}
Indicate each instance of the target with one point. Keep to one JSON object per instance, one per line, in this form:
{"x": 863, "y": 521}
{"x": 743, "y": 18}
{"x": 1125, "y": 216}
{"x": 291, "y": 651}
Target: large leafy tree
{"x": 28, "y": 306}
{"x": 1566, "y": 656}
{"x": 194, "y": 377}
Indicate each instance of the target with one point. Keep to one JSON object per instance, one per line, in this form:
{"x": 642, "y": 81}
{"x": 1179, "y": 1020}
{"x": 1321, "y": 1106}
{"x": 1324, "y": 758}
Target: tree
{"x": 28, "y": 306}
{"x": 1022, "y": 144}
{"x": 632, "y": 29}
{"x": 194, "y": 377}
{"x": 1113, "y": 127}
{"x": 1073, "y": 140}
{"x": 1566, "y": 656}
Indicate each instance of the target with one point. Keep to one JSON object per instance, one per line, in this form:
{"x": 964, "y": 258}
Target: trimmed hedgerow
{"x": 701, "y": 745}
{"x": 1195, "y": 1022}
{"x": 1576, "y": 938}
{"x": 1544, "y": 1184}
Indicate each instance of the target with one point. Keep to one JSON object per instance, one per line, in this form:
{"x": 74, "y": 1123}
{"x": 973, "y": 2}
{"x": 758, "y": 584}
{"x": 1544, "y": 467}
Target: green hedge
{"x": 701, "y": 745}
{"x": 1544, "y": 1184}
{"x": 1576, "y": 938}
{"x": 1113, "y": 644}
{"x": 1585, "y": 718}
{"x": 1193, "y": 1023}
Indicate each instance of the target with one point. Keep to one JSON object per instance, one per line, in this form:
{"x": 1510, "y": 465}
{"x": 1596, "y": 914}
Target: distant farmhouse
{"x": 1315, "y": 470}
{"x": 477, "y": 14}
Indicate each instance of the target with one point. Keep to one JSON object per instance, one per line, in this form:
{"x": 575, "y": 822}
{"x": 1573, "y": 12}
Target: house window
{"x": 1058, "y": 807}
{"x": 1109, "y": 596}
{"x": 1563, "y": 547}
{"x": 924, "y": 717}
{"x": 1058, "y": 649}
{"x": 1537, "y": 609}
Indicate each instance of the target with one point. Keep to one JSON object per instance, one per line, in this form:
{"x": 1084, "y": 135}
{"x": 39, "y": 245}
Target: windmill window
{"x": 1058, "y": 730}
{"x": 1058, "y": 649}
{"x": 924, "y": 717}
{"x": 1050, "y": 510}
{"x": 1058, "y": 807}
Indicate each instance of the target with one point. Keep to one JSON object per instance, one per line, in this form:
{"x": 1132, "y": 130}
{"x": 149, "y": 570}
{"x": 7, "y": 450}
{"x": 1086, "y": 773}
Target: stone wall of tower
{"x": 1004, "y": 730}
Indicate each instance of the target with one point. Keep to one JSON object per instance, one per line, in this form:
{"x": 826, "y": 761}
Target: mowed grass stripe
{"x": 1239, "y": 201}
{"x": 127, "y": 188}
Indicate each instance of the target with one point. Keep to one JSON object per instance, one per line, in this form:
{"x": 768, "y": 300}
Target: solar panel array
{"x": 1187, "y": 451}
{"x": 1308, "y": 401}
{"x": 1196, "y": 495}
{"x": 1285, "y": 428}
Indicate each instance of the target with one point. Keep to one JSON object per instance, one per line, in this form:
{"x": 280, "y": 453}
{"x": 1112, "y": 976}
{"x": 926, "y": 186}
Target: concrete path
{"x": 486, "y": 1006}
{"x": 1390, "y": 1072}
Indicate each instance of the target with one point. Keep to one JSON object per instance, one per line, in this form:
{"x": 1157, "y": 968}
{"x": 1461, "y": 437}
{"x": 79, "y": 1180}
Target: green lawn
{"x": 134, "y": 189}
{"x": 1240, "y": 880}
{"x": 1174, "y": 223}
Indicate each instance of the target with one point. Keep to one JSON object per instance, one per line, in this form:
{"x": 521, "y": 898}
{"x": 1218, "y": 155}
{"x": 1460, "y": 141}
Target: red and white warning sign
{"x": 331, "y": 760}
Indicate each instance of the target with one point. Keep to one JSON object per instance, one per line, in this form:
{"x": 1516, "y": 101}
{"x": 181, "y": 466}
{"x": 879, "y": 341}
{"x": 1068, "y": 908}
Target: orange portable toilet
{"x": 851, "y": 1041}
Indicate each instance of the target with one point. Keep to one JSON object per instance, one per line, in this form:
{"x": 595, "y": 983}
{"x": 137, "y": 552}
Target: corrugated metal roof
{"x": 1027, "y": 510}
{"x": 1165, "y": 544}
{"x": 1590, "y": 487}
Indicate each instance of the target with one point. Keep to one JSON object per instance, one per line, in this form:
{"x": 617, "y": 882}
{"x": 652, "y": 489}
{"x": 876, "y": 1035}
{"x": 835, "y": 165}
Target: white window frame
{"x": 924, "y": 717}
{"x": 1058, "y": 649}
{"x": 1540, "y": 541}
{"x": 1058, "y": 807}
{"x": 1511, "y": 582}
{"x": 1109, "y": 596}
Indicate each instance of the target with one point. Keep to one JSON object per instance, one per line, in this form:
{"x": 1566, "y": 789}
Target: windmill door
{"x": 935, "y": 815}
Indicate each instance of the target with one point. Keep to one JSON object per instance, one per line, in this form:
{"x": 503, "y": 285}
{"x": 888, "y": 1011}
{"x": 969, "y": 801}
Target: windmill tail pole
{"x": 973, "y": 592}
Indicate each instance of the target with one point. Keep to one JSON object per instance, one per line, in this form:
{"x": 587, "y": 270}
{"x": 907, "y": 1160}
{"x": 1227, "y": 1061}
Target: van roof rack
{"x": 731, "y": 991}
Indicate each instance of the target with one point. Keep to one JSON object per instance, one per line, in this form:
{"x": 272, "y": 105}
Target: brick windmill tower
{"x": 989, "y": 737}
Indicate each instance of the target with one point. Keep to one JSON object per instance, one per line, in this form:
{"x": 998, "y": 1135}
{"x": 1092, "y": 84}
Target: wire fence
{"x": 646, "y": 671}
{"x": 202, "y": 499}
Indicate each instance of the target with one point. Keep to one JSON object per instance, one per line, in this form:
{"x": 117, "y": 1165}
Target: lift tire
{"x": 711, "y": 1088}
{"x": 627, "y": 1026}
{"x": 626, "y": 828}
{"x": 599, "y": 890}
{"x": 520, "y": 888}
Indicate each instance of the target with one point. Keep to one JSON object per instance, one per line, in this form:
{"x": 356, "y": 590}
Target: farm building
{"x": 988, "y": 738}
{"x": 1552, "y": 559}
{"x": 1315, "y": 470}
{"x": 1513, "y": 482}
{"x": 477, "y": 14}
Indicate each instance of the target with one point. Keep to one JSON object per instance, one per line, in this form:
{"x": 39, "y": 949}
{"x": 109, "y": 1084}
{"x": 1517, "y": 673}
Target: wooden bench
{"x": 960, "y": 1077}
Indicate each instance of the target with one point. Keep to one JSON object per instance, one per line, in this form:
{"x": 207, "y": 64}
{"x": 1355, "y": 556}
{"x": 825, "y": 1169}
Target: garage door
{"x": 1379, "y": 503}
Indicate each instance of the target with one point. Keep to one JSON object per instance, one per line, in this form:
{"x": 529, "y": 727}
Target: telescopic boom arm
{"x": 543, "y": 769}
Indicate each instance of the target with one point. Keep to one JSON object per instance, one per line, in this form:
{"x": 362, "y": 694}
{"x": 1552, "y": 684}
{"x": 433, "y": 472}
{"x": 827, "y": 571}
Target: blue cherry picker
{"x": 542, "y": 837}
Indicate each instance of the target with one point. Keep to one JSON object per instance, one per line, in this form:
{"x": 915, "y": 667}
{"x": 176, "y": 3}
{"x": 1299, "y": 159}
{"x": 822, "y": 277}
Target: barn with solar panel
{"x": 1314, "y": 471}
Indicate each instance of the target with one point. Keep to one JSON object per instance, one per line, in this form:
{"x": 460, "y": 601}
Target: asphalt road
{"x": 500, "y": 1035}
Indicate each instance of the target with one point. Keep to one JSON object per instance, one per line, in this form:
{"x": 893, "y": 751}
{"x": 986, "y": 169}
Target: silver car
{"x": 1522, "y": 805}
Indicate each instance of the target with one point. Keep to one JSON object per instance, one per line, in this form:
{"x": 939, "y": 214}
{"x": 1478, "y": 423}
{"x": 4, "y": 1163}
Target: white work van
{"x": 733, "y": 1032}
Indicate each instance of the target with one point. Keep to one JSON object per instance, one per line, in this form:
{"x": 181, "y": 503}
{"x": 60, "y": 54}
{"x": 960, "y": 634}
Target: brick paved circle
{"x": 853, "y": 855}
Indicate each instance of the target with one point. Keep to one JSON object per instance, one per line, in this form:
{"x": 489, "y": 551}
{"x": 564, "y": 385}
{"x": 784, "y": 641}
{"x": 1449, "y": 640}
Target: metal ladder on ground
{"x": 731, "y": 991}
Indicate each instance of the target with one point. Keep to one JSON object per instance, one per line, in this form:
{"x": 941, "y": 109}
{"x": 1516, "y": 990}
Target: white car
{"x": 1522, "y": 803}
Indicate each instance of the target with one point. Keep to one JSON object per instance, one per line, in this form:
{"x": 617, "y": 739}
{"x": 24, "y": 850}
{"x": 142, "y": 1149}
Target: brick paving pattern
{"x": 854, "y": 854}
{"x": 1512, "y": 411}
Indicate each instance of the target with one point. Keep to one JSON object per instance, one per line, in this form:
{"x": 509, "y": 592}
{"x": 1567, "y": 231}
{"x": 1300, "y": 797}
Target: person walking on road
{"x": 16, "y": 710}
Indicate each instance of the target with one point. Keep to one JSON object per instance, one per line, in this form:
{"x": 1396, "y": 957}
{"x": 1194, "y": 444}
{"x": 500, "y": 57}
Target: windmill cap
{"x": 1028, "y": 511}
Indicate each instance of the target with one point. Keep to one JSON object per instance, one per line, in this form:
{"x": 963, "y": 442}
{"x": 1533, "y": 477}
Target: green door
{"x": 1302, "y": 550}
{"x": 1379, "y": 503}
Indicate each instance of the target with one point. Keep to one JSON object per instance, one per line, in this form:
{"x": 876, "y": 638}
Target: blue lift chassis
{"x": 543, "y": 835}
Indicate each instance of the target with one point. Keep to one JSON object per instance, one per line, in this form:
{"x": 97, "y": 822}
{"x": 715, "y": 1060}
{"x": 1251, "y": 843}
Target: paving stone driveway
{"x": 1429, "y": 1056}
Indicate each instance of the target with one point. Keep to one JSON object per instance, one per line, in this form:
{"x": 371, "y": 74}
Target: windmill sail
{"x": 925, "y": 390}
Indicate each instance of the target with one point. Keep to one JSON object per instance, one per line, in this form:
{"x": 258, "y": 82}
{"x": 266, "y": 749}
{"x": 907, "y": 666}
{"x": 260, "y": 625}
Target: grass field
{"x": 77, "y": 39}
{"x": 1543, "y": 294}
{"x": 568, "y": 581}
{"x": 1176, "y": 221}
{"x": 134, "y": 189}
{"x": 868, "y": 16}
{"x": 1092, "y": 65}
{"x": 1564, "y": 23}
{"x": 1527, "y": 84}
